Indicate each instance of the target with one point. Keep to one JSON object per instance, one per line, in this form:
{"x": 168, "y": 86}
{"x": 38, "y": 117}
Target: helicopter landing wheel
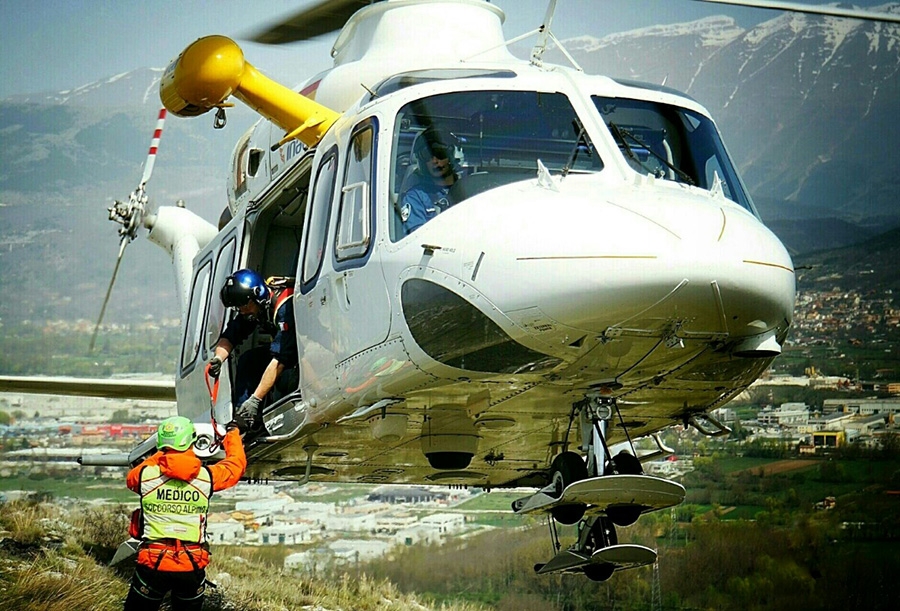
{"x": 567, "y": 468}
{"x": 599, "y": 572}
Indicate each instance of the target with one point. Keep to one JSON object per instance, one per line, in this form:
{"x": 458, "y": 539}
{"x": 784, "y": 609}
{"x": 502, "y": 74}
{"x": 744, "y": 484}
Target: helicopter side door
{"x": 360, "y": 307}
{"x": 345, "y": 307}
{"x": 202, "y": 326}
{"x": 315, "y": 340}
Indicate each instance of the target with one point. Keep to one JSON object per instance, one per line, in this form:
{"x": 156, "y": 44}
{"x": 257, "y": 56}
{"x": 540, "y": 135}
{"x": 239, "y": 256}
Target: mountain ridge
{"x": 806, "y": 106}
{"x": 868, "y": 265}
{"x": 115, "y": 90}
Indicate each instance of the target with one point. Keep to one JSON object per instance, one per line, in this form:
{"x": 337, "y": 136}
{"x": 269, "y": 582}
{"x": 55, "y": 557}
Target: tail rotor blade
{"x": 130, "y": 215}
{"x": 122, "y": 244}
{"x": 154, "y": 145}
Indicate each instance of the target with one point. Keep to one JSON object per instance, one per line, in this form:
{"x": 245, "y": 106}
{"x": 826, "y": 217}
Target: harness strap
{"x": 213, "y": 396}
{"x": 159, "y": 559}
{"x": 190, "y": 555}
{"x": 282, "y": 297}
{"x": 147, "y": 591}
{"x": 173, "y": 546}
{"x": 163, "y": 548}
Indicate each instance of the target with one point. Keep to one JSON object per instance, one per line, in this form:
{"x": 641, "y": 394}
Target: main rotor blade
{"x": 152, "y": 390}
{"x": 323, "y": 18}
{"x": 800, "y": 7}
{"x": 122, "y": 244}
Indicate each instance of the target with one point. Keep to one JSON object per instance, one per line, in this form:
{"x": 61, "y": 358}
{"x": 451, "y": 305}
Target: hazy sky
{"x": 52, "y": 45}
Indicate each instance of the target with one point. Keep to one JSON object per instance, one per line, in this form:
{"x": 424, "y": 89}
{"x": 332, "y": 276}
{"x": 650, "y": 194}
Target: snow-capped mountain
{"x": 120, "y": 90}
{"x": 807, "y": 104}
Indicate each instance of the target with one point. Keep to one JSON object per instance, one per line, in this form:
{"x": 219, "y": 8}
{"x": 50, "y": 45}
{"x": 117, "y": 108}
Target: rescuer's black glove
{"x": 215, "y": 366}
{"x": 238, "y": 423}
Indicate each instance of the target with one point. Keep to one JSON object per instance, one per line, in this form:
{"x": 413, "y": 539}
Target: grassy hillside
{"x": 750, "y": 537}
{"x": 54, "y": 559}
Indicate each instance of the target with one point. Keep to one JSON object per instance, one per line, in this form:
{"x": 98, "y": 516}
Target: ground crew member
{"x": 175, "y": 488}
{"x": 269, "y": 309}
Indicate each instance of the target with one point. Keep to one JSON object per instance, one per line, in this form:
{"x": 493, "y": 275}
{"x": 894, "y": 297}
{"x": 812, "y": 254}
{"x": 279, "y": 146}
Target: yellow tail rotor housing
{"x": 213, "y": 68}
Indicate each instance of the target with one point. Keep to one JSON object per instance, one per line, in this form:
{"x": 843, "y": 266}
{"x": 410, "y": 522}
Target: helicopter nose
{"x": 711, "y": 269}
{"x": 632, "y": 263}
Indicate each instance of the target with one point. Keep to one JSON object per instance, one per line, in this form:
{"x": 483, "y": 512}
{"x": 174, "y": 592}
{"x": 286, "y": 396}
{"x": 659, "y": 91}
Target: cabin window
{"x": 317, "y": 228}
{"x": 492, "y": 138}
{"x": 193, "y": 326}
{"x": 240, "y": 163}
{"x": 253, "y": 162}
{"x": 215, "y": 317}
{"x": 672, "y": 143}
{"x": 354, "y": 233}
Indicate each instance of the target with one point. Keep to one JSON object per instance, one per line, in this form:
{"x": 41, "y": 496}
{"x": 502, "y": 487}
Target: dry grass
{"x": 22, "y": 522}
{"x": 52, "y": 559}
{"x": 53, "y": 582}
{"x": 252, "y": 587}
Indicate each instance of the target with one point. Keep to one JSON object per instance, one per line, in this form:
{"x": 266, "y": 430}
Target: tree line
{"x": 788, "y": 555}
{"x": 29, "y": 350}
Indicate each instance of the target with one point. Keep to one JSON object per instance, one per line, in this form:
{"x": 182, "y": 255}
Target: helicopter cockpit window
{"x": 672, "y": 143}
{"x": 354, "y": 224}
{"x": 491, "y": 138}
{"x": 240, "y": 166}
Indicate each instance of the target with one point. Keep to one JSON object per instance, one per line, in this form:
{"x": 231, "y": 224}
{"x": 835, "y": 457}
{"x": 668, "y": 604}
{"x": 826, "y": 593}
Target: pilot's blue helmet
{"x": 242, "y": 287}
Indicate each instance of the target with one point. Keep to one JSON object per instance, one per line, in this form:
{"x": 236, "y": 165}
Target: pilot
{"x": 269, "y": 309}
{"x": 428, "y": 193}
{"x": 175, "y": 488}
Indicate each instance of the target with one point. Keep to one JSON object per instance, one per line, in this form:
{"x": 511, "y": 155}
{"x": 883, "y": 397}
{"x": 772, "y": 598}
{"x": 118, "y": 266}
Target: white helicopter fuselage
{"x": 581, "y": 261}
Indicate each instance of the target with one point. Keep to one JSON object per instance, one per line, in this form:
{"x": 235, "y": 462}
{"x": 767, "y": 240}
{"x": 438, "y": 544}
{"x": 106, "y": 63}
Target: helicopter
{"x": 599, "y": 274}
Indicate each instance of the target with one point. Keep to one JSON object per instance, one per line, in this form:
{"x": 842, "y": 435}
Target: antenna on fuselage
{"x": 544, "y": 36}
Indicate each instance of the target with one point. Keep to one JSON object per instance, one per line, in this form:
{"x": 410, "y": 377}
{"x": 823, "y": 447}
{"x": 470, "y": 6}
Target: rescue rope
{"x": 213, "y": 397}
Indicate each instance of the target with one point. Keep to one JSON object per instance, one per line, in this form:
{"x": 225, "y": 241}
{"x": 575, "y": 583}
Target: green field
{"x": 335, "y": 493}
{"x": 82, "y": 488}
{"x": 490, "y": 501}
{"x": 743, "y": 512}
{"x": 501, "y": 520}
{"x": 743, "y": 487}
{"x": 733, "y": 464}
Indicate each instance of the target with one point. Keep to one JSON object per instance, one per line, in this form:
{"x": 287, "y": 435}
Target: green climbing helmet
{"x": 176, "y": 433}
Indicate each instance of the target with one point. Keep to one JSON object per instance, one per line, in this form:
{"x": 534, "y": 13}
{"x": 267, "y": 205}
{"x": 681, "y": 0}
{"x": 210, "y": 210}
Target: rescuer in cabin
{"x": 175, "y": 489}
{"x": 267, "y": 306}
{"x": 428, "y": 192}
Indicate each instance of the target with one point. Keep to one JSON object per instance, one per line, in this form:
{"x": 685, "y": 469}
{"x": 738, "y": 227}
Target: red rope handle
{"x": 213, "y": 396}
{"x": 214, "y": 389}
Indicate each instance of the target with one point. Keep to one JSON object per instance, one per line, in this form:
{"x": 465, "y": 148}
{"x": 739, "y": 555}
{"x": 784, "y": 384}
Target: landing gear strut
{"x": 604, "y": 492}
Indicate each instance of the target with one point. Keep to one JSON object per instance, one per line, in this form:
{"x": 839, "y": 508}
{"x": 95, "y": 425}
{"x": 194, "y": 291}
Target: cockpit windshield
{"x": 451, "y": 146}
{"x": 672, "y": 143}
